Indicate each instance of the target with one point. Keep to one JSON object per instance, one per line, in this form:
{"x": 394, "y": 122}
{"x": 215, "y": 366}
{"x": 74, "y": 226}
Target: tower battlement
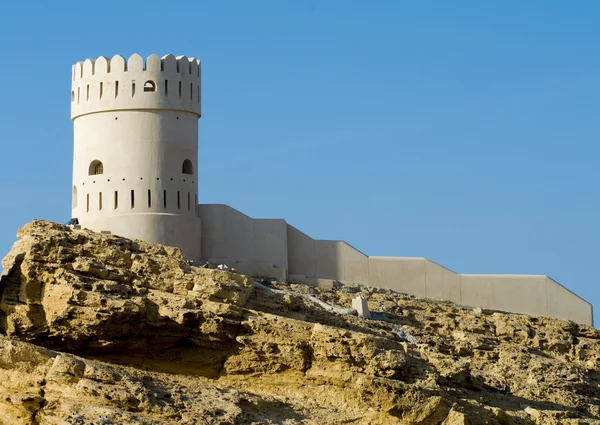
{"x": 103, "y": 84}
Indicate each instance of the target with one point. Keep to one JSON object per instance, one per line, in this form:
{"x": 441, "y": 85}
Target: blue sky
{"x": 463, "y": 131}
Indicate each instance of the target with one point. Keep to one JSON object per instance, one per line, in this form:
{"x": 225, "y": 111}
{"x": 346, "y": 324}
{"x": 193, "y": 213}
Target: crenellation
{"x": 135, "y": 83}
{"x": 169, "y": 65}
{"x": 183, "y": 65}
{"x": 194, "y": 67}
{"x": 88, "y": 68}
{"x": 102, "y": 66}
{"x": 77, "y": 71}
{"x": 153, "y": 64}
{"x": 118, "y": 64}
{"x": 135, "y": 63}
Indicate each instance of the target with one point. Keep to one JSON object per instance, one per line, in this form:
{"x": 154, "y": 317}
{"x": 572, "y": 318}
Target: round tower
{"x": 135, "y": 162}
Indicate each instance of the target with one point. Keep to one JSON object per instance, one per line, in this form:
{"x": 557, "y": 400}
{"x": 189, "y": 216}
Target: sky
{"x": 466, "y": 132}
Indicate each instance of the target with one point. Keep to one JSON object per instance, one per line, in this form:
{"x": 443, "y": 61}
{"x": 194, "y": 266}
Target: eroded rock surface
{"x": 102, "y": 329}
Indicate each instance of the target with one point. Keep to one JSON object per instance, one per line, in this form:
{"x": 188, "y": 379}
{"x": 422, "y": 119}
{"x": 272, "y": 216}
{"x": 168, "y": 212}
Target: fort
{"x": 135, "y": 174}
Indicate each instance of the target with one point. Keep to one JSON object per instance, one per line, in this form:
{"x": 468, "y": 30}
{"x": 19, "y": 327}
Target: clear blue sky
{"x": 463, "y": 131}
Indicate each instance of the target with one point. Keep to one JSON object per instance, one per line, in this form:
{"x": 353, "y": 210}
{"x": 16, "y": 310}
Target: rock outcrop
{"x": 100, "y": 329}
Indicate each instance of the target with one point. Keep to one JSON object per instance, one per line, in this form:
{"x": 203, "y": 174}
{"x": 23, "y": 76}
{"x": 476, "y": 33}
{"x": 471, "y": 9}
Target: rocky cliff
{"x": 98, "y": 329}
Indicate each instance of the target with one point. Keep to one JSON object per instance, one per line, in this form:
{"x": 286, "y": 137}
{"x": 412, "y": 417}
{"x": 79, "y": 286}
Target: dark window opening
{"x": 149, "y": 86}
{"x": 187, "y": 167}
{"x": 96, "y": 167}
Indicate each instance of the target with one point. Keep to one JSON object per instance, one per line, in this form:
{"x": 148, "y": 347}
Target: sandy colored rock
{"x": 101, "y": 329}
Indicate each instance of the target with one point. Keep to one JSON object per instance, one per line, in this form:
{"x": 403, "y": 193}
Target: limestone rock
{"x": 102, "y": 329}
{"x": 456, "y": 418}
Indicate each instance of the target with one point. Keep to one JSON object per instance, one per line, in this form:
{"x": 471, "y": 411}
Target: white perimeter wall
{"x": 517, "y": 293}
{"x": 335, "y": 260}
{"x": 536, "y": 295}
{"x": 416, "y": 276}
{"x": 564, "y": 304}
{"x": 232, "y": 237}
{"x": 254, "y": 245}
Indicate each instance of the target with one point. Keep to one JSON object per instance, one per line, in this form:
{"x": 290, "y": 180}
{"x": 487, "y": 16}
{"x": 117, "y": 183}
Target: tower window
{"x": 87, "y": 206}
{"x": 116, "y": 199}
{"x": 96, "y": 168}
{"x": 149, "y": 198}
{"x": 74, "y": 196}
{"x": 100, "y": 201}
{"x": 178, "y": 200}
{"x": 149, "y": 86}
{"x": 187, "y": 167}
{"x": 132, "y": 199}
{"x": 165, "y": 198}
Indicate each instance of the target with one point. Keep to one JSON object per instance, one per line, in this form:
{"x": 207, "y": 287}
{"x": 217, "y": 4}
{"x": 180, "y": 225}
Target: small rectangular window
{"x": 166, "y": 88}
{"x": 165, "y": 198}
{"x": 191, "y": 91}
{"x": 133, "y": 88}
{"x": 87, "y": 93}
{"x": 132, "y": 199}
{"x": 100, "y": 201}
{"x": 116, "y": 199}
{"x": 101, "y": 89}
{"x": 189, "y": 202}
{"x": 149, "y": 198}
{"x": 116, "y": 89}
{"x": 87, "y": 208}
{"x": 180, "y": 89}
{"x": 178, "y": 200}
{"x": 78, "y": 92}
{"x": 198, "y": 93}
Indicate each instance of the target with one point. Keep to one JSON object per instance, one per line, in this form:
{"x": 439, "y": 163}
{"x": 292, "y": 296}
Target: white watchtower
{"x": 135, "y": 162}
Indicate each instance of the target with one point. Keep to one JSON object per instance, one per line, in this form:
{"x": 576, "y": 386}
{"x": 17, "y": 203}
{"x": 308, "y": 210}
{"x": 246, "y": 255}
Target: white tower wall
{"x": 140, "y": 121}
